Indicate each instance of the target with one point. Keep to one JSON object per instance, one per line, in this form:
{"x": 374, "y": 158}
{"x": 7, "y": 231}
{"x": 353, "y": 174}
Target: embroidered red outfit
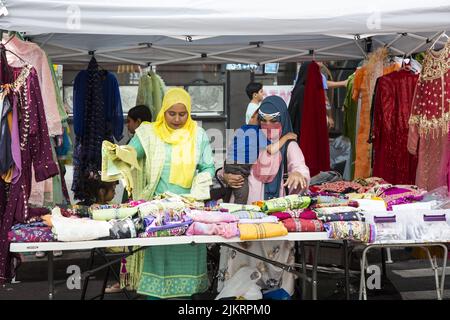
{"x": 393, "y": 98}
{"x": 429, "y": 121}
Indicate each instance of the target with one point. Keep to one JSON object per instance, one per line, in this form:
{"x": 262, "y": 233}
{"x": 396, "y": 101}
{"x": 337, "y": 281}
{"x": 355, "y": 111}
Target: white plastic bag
{"x": 243, "y": 284}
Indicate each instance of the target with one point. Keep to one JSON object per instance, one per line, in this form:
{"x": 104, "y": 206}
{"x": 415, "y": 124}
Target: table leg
{"x": 314, "y": 274}
{"x": 51, "y": 286}
{"x": 444, "y": 267}
{"x": 362, "y": 284}
{"x": 86, "y": 281}
{"x": 304, "y": 280}
{"x": 434, "y": 268}
{"x": 347, "y": 271}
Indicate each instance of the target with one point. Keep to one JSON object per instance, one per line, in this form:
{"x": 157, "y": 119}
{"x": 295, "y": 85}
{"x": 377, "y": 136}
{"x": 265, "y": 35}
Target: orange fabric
{"x": 7, "y": 176}
{"x": 10, "y": 121}
{"x": 363, "y": 148}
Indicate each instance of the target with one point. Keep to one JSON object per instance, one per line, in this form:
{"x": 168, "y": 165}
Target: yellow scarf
{"x": 183, "y": 141}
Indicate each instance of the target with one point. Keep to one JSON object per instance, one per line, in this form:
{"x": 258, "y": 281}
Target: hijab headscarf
{"x": 183, "y": 140}
{"x": 274, "y": 105}
{"x": 297, "y": 97}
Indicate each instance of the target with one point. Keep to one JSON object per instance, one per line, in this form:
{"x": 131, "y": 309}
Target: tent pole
{"x": 176, "y": 60}
{"x": 305, "y": 53}
{"x": 360, "y": 48}
{"x": 419, "y": 37}
{"x": 42, "y": 45}
{"x": 342, "y": 55}
{"x": 233, "y": 60}
{"x": 120, "y": 59}
{"x": 334, "y": 46}
{"x": 426, "y": 41}
{"x": 174, "y": 50}
{"x": 390, "y": 47}
{"x": 231, "y": 50}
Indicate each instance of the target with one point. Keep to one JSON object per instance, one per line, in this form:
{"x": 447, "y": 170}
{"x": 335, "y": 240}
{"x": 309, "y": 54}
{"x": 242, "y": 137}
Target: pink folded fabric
{"x": 226, "y": 230}
{"x": 308, "y": 215}
{"x": 281, "y": 215}
{"x": 211, "y": 216}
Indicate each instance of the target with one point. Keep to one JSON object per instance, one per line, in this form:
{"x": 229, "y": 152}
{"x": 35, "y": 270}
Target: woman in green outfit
{"x": 170, "y": 152}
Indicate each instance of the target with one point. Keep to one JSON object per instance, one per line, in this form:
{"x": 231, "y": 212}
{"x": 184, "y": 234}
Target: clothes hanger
{"x": 2, "y": 47}
{"x": 443, "y": 34}
{"x": 92, "y": 54}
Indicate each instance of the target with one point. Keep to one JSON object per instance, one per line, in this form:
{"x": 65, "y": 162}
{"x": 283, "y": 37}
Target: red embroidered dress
{"x": 429, "y": 120}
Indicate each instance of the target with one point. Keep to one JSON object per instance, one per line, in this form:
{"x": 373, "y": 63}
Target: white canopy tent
{"x": 185, "y": 31}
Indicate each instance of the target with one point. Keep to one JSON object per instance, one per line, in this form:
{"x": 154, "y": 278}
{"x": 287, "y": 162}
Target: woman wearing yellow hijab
{"x": 170, "y": 151}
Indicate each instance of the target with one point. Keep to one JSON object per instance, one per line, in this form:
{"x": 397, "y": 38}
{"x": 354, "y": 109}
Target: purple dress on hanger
{"x": 35, "y": 150}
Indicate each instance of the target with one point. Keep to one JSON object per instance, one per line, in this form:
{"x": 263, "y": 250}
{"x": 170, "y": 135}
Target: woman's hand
{"x": 296, "y": 181}
{"x": 235, "y": 181}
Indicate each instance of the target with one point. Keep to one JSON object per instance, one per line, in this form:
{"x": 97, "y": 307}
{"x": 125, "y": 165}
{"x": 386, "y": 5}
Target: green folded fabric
{"x": 286, "y": 203}
{"x": 232, "y": 207}
{"x": 114, "y": 213}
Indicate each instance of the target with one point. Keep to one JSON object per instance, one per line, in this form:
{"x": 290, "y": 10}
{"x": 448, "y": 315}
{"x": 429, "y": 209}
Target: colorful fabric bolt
{"x": 211, "y": 216}
{"x": 261, "y": 231}
{"x": 269, "y": 219}
{"x": 344, "y": 216}
{"x": 172, "y": 232}
{"x": 303, "y": 225}
{"x": 226, "y": 230}
{"x": 154, "y": 224}
{"x": 249, "y": 214}
{"x": 116, "y": 213}
{"x": 286, "y": 203}
{"x": 333, "y": 210}
{"x": 351, "y": 230}
{"x": 231, "y": 207}
{"x": 31, "y": 234}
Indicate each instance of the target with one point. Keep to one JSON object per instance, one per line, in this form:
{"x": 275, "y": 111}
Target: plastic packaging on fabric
{"x": 387, "y": 226}
{"x": 340, "y": 156}
{"x": 123, "y": 229}
{"x": 243, "y": 284}
{"x": 428, "y": 225}
{"x": 440, "y": 195}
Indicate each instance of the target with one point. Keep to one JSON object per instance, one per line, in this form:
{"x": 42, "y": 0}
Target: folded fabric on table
{"x": 286, "y": 203}
{"x": 249, "y": 214}
{"x": 232, "y": 207}
{"x": 76, "y": 229}
{"x": 156, "y": 206}
{"x": 163, "y": 222}
{"x": 269, "y": 219}
{"x": 347, "y": 203}
{"x": 325, "y": 199}
{"x": 281, "y": 215}
{"x": 172, "y": 232}
{"x": 31, "y": 234}
{"x": 116, "y": 213}
{"x": 74, "y": 210}
{"x": 210, "y": 216}
{"x": 123, "y": 229}
{"x": 261, "y": 231}
{"x": 308, "y": 215}
{"x": 339, "y": 187}
{"x": 343, "y": 216}
{"x": 298, "y": 213}
{"x": 226, "y": 230}
{"x": 29, "y": 225}
{"x": 303, "y": 225}
{"x": 68, "y": 229}
{"x": 332, "y": 210}
{"x": 351, "y": 230}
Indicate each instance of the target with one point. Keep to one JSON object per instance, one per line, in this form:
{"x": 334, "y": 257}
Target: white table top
{"x": 161, "y": 241}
